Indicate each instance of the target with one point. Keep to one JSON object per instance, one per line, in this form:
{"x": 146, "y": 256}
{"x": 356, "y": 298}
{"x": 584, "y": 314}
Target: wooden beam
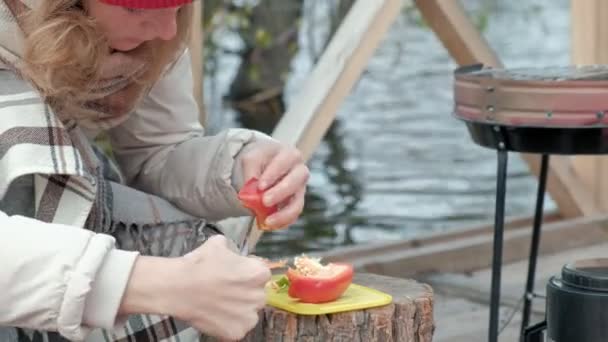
{"x": 589, "y": 32}
{"x": 467, "y": 46}
{"x": 310, "y": 114}
{"x": 196, "y": 55}
{"x": 567, "y": 189}
{"x": 456, "y": 32}
{"x": 379, "y": 250}
{"x": 467, "y": 253}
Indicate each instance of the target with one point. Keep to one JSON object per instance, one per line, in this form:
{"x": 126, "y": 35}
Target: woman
{"x": 148, "y": 259}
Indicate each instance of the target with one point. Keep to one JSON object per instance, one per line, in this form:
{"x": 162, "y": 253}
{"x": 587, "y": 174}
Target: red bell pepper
{"x": 312, "y": 282}
{"x": 251, "y": 197}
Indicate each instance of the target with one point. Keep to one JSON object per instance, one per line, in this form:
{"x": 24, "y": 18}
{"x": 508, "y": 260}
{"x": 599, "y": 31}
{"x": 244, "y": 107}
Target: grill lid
{"x": 567, "y": 97}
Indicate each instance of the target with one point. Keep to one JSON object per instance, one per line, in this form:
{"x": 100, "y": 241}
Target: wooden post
{"x": 408, "y": 319}
{"x": 457, "y": 33}
{"x": 196, "y": 55}
{"x": 590, "y": 46}
{"x": 467, "y": 46}
{"x": 311, "y": 113}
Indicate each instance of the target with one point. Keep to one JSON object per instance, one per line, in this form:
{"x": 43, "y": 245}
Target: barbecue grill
{"x": 559, "y": 110}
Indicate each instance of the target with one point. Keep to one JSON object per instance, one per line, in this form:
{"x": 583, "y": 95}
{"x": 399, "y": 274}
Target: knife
{"x": 252, "y": 237}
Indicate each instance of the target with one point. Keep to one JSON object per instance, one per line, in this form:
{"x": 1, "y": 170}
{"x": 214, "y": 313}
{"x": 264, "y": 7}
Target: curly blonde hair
{"x": 64, "y": 50}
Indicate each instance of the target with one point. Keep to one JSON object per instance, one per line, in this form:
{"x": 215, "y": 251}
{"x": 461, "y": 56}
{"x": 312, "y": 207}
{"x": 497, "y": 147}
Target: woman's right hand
{"x": 214, "y": 289}
{"x": 226, "y": 290}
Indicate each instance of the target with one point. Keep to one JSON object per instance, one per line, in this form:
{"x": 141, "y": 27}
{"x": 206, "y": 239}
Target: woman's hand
{"x": 283, "y": 176}
{"x": 214, "y": 289}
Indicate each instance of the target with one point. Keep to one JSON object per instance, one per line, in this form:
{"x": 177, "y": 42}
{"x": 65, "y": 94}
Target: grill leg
{"x": 499, "y": 220}
{"x": 535, "y": 332}
{"x": 536, "y": 232}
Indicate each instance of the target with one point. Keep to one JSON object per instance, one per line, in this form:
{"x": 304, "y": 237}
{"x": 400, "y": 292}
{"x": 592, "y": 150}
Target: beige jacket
{"x": 57, "y": 276}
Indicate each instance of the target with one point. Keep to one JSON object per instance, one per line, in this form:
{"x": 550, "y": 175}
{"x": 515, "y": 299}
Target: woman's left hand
{"x": 283, "y": 176}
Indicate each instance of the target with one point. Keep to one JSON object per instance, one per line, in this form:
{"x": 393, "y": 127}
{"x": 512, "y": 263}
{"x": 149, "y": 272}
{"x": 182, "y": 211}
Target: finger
{"x": 266, "y": 275}
{"x": 251, "y": 167}
{"x": 254, "y": 296}
{"x": 279, "y": 166}
{"x": 254, "y": 160}
{"x": 259, "y": 300}
{"x": 260, "y": 273}
{"x": 295, "y": 180}
{"x": 249, "y": 295}
{"x": 289, "y": 214}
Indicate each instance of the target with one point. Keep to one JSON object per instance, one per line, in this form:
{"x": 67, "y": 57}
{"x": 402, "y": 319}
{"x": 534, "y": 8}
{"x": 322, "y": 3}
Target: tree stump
{"x": 409, "y": 318}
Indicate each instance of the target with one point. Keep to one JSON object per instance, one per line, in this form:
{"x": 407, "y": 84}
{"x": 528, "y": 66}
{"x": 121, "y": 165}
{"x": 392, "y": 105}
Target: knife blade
{"x": 252, "y": 236}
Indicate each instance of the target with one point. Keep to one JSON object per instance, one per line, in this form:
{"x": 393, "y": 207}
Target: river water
{"x": 397, "y": 164}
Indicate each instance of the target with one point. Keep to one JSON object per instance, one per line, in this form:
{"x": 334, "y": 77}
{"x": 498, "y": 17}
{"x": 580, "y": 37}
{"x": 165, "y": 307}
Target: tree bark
{"x": 408, "y": 319}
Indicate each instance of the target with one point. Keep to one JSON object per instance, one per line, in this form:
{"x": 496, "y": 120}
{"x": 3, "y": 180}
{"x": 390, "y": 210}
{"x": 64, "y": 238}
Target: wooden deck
{"x": 462, "y": 300}
{"x": 457, "y": 266}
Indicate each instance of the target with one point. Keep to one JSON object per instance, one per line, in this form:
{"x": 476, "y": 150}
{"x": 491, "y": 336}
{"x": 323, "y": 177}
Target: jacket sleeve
{"x": 59, "y": 278}
{"x": 162, "y": 149}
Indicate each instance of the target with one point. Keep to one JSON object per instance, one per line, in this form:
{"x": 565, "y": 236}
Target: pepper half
{"x": 312, "y": 282}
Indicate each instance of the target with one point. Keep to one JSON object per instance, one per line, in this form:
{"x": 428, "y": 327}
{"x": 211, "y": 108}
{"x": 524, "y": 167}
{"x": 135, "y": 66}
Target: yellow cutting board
{"x": 356, "y": 297}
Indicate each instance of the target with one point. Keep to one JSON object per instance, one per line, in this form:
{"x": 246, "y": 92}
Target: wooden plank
{"x": 313, "y": 110}
{"x": 378, "y": 251}
{"x": 310, "y": 114}
{"x": 589, "y": 46}
{"x": 467, "y": 46}
{"x": 473, "y": 253}
{"x": 457, "y": 33}
{"x": 589, "y": 29}
{"x": 458, "y": 320}
{"x": 196, "y": 55}
{"x": 572, "y": 196}
{"x": 476, "y": 286}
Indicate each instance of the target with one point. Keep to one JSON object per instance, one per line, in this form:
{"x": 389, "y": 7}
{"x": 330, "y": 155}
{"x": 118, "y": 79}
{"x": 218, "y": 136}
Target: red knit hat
{"x": 147, "y": 4}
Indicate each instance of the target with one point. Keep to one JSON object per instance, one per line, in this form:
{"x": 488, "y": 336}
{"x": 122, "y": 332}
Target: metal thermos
{"x": 577, "y": 304}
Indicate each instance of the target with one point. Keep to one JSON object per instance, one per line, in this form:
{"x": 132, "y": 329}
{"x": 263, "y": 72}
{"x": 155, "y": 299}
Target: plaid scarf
{"x": 108, "y": 100}
{"x": 75, "y": 184}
